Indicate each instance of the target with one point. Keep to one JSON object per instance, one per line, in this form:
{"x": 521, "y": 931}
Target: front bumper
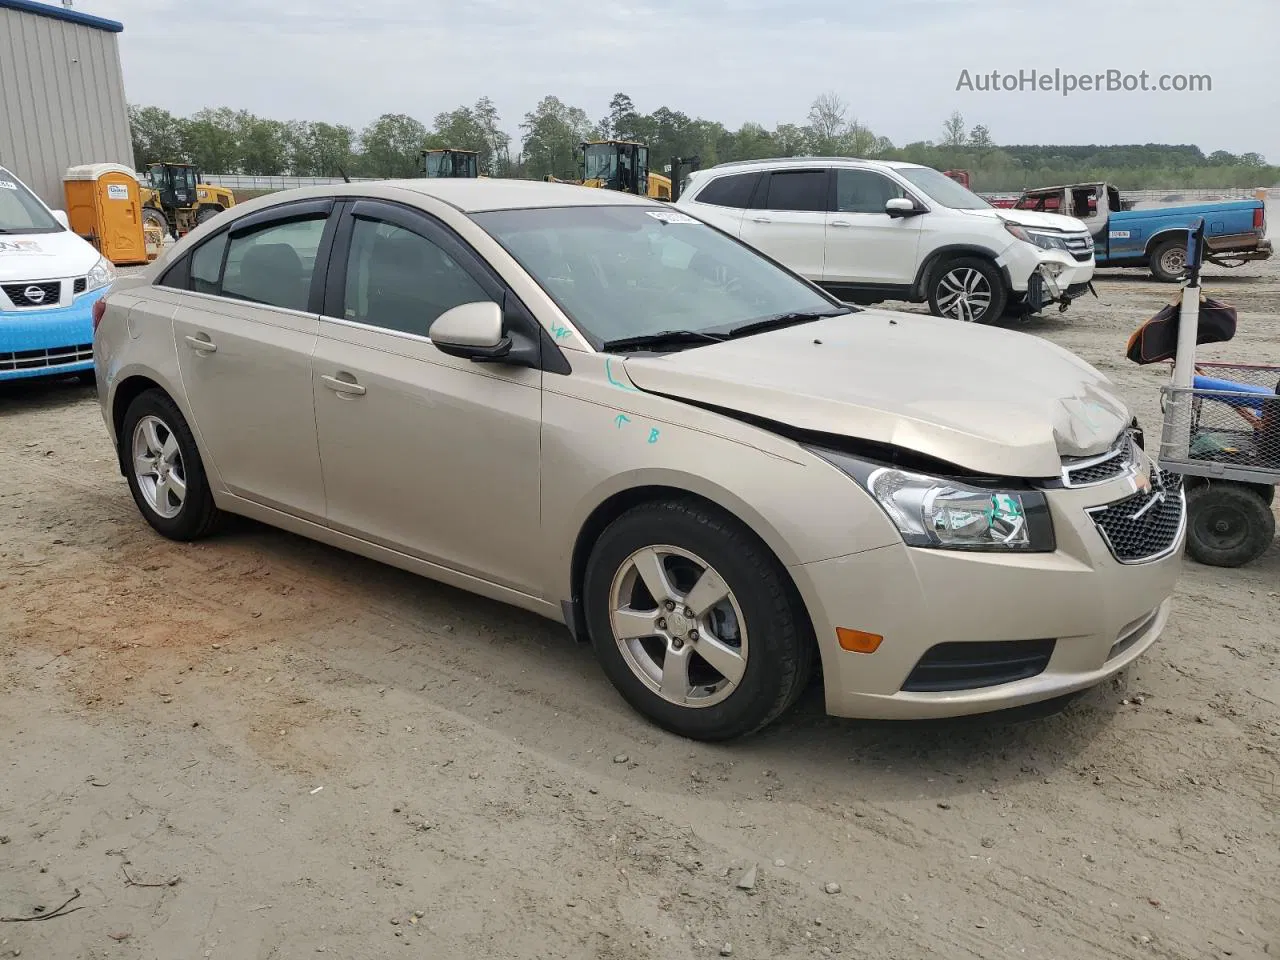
{"x": 1095, "y": 614}
{"x": 57, "y": 341}
{"x": 1022, "y": 261}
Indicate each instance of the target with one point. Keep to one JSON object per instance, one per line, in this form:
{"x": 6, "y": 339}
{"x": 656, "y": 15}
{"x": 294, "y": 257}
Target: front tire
{"x": 1229, "y": 524}
{"x": 695, "y": 621}
{"x": 1169, "y": 261}
{"x": 164, "y": 470}
{"x": 153, "y": 216}
{"x": 968, "y": 289}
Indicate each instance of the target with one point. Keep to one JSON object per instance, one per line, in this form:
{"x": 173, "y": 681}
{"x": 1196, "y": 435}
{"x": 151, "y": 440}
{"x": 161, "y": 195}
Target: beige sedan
{"x": 601, "y": 409}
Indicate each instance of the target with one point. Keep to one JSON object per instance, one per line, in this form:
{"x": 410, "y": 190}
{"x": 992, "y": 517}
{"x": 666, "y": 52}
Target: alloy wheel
{"x": 678, "y": 626}
{"x": 158, "y": 467}
{"x": 965, "y": 294}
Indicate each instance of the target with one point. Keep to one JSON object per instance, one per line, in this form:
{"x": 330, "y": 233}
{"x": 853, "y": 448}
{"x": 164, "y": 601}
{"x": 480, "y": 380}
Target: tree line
{"x": 229, "y": 141}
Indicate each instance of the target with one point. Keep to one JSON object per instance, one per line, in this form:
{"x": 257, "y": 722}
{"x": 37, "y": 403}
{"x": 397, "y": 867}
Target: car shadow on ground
{"x": 884, "y": 759}
{"x": 43, "y": 393}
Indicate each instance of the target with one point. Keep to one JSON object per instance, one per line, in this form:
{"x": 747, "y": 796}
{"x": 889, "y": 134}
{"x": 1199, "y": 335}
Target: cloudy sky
{"x": 897, "y": 63}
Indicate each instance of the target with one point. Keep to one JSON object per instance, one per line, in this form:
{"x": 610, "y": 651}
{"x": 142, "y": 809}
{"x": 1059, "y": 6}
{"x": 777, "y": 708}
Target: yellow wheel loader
{"x": 174, "y": 199}
{"x": 448, "y": 162}
{"x": 619, "y": 165}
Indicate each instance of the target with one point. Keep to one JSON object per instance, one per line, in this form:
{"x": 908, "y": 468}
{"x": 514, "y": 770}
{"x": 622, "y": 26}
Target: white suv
{"x": 869, "y": 231}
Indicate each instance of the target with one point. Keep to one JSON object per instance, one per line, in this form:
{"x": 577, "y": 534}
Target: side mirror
{"x": 61, "y": 217}
{"x": 471, "y": 331}
{"x": 900, "y": 207}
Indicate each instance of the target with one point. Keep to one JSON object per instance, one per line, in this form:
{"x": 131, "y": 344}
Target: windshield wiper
{"x": 778, "y": 321}
{"x": 664, "y": 338}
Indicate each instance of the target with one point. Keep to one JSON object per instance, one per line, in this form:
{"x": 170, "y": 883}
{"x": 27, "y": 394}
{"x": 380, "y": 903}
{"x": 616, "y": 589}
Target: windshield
{"x": 942, "y": 189}
{"x": 601, "y": 161}
{"x": 624, "y": 271}
{"x": 438, "y": 165}
{"x": 20, "y": 211}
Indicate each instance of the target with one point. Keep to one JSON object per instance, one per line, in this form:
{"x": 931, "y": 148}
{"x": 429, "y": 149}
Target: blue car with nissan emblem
{"x": 50, "y": 280}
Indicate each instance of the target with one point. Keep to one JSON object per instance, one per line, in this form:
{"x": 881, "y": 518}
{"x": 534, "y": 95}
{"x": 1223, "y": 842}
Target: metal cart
{"x": 1222, "y": 434}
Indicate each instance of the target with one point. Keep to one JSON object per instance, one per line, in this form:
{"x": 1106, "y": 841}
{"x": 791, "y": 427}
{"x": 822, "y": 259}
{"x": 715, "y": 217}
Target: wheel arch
{"x": 132, "y": 385}
{"x": 1161, "y": 237}
{"x": 619, "y": 502}
{"x": 955, "y": 251}
{"x": 126, "y": 391}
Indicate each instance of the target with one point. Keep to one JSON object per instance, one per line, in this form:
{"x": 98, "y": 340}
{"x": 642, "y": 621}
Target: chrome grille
{"x": 43, "y": 359}
{"x": 1145, "y": 526}
{"x": 24, "y": 294}
{"x": 1121, "y": 459}
{"x": 1080, "y": 246}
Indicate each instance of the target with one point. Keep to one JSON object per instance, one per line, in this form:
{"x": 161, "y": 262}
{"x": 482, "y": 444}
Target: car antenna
{"x": 345, "y": 178}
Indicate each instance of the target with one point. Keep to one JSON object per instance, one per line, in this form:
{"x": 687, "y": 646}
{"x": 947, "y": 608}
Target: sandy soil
{"x": 258, "y": 747}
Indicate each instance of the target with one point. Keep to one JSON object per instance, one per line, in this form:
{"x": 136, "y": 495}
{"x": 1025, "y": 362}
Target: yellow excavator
{"x": 174, "y": 199}
{"x": 449, "y": 162}
{"x": 619, "y": 165}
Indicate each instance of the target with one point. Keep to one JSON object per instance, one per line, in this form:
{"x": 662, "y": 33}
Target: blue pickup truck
{"x": 1235, "y": 230}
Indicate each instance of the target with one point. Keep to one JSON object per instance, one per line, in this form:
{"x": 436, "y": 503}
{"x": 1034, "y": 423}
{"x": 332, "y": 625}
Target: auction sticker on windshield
{"x": 8, "y": 185}
{"x": 669, "y": 217}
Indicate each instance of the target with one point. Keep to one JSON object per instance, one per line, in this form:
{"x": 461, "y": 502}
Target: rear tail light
{"x": 99, "y": 308}
{"x": 1259, "y": 218}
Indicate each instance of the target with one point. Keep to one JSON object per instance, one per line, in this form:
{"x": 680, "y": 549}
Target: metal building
{"x": 61, "y": 94}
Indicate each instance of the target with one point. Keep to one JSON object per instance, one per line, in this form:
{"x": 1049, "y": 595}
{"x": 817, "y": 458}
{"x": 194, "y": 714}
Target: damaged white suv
{"x": 869, "y": 231}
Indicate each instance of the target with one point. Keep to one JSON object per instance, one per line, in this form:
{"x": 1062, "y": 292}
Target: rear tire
{"x": 164, "y": 470}
{"x": 701, "y": 669}
{"x": 206, "y": 214}
{"x": 1169, "y": 261}
{"x": 1229, "y": 524}
{"x": 968, "y": 289}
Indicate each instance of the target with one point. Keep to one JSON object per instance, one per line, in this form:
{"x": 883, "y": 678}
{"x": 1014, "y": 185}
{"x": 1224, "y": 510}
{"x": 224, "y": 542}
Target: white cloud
{"x": 897, "y": 62}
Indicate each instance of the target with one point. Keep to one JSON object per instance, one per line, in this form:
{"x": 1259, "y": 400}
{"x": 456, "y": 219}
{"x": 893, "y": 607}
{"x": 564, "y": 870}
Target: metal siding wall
{"x": 61, "y": 100}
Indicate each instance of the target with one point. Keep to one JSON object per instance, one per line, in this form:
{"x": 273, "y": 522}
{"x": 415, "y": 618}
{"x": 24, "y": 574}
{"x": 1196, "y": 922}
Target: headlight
{"x": 1045, "y": 240}
{"x": 102, "y": 273}
{"x": 950, "y": 514}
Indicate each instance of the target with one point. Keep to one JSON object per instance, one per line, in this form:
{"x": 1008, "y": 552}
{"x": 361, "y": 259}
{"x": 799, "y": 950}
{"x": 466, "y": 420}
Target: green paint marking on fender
{"x": 614, "y": 381}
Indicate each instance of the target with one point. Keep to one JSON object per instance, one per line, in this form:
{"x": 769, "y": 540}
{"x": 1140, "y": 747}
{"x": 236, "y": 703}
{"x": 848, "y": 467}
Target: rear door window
{"x": 273, "y": 266}
{"x": 797, "y": 190}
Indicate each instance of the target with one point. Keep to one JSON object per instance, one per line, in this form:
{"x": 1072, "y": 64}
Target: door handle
{"x": 762, "y": 220}
{"x": 841, "y": 223}
{"x": 338, "y": 385}
{"x": 202, "y": 344}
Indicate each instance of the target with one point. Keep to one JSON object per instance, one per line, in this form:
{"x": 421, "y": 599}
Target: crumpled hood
{"x": 44, "y": 256}
{"x": 983, "y": 398}
{"x": 1033, "y": 218}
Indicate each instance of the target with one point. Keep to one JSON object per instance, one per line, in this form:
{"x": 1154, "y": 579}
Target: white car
{"x": 869, "y": 231}
{"x": 50, "y": 280}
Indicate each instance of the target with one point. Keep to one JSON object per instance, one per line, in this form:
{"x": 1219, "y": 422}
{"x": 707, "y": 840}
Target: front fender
{"x": 610, "y": 442}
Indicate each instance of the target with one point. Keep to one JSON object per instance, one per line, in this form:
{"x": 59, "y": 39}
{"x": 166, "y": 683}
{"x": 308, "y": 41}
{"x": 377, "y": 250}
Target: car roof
{"x": 480, "y": 194}
{"x": 806, "y": 161}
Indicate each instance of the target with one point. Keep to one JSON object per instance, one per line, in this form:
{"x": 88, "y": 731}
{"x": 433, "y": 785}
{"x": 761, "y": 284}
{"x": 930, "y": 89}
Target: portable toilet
{"x": 104, "y": 205}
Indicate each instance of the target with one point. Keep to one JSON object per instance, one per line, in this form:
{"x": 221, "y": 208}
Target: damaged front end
{"x": 1044, "y": 287}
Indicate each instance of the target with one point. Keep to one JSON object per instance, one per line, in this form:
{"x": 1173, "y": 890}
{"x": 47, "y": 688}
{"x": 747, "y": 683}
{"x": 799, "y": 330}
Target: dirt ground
{"x": 259, "y": 747}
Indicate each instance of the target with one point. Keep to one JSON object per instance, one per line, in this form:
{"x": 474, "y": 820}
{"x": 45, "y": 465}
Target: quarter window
{"x": 800, "y": 190}
{"x": 274, "y": 265}
{"x": 864, "y": 191}
{"x": 400, "y": 280}
{"x": 731, "y": 191}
